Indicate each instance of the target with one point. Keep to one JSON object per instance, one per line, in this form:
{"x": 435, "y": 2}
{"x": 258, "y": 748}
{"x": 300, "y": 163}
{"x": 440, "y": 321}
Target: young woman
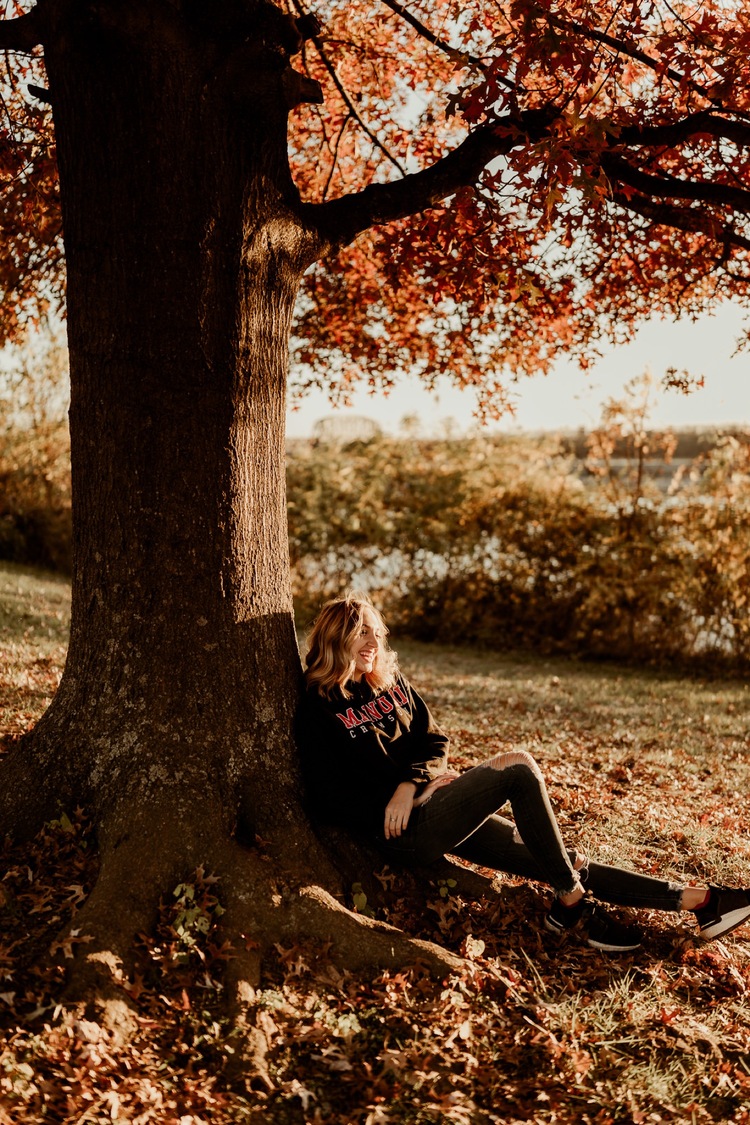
{"x": 376, "y": 762}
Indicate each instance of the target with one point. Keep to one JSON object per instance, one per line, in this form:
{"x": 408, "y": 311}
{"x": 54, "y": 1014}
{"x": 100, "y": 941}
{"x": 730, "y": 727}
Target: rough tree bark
{"x": 186, "y": 242}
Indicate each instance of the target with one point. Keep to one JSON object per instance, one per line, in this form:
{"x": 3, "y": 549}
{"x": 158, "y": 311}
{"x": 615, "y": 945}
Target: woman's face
{"x": 366, "y": 645}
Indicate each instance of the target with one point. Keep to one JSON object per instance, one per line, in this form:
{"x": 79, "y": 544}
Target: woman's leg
{"x": 497, "y": 844}
{"x": 456, "y": 811}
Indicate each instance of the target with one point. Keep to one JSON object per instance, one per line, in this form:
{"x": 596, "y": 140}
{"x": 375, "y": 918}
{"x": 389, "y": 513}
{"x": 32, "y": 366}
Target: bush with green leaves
{"x": 505, "y": 541}
{"x": 35, "y": 513}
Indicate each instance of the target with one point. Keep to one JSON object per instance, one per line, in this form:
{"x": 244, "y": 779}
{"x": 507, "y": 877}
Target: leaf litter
{"x": 643, "y": 769}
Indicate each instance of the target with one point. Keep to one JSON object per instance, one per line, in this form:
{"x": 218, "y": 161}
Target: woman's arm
{"x": 398, "y": 809}
{"x": 428, "y": 743}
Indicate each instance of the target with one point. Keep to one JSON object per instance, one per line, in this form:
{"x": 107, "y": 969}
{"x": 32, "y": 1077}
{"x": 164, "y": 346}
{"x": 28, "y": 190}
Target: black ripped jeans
{"x": 461, "y": 819}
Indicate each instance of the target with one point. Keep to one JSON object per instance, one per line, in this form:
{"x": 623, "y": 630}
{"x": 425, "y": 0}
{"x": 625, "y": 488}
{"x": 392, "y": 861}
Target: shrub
{"x": 502, "y": 541}
{"x": 35, "y": 524}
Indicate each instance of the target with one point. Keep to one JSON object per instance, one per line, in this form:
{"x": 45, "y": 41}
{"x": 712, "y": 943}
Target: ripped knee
{"x": 514, "y": 758}
{"x": 580, "y": 864}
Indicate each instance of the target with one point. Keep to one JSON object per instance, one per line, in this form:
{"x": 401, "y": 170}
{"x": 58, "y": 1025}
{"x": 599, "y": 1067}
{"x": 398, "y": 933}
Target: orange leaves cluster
{"x": 593, "y": 220}
{"x": 378, "y": 79}
{"x": 31, "y": 254}
{"x": 559, "y": 247}
{"x": 424, "y": 295}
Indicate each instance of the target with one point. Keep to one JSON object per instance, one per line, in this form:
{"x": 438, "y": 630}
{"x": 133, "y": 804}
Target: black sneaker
{"x": 725, "y": 911}
{"x": 561, "y": 918}
{"x": 610, "y": 935}
{"x": 602, "y": 931}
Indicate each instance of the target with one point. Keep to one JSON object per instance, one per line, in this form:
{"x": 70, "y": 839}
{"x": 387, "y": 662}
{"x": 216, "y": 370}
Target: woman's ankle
{"x": 572, "y": 897}
{"x": 693, "y": 898}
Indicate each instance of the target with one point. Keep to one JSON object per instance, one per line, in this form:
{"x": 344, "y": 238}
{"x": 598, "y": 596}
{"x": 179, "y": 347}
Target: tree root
{"x": 147, "y": 848}
{"x": 360, "y": 942}
{"x": 261, "y": 912}
{"x": 135, "y": 872}
{"x": 29, "y": 796}
{"x": 264, "y": 912}
{"x": 359, "y": 862}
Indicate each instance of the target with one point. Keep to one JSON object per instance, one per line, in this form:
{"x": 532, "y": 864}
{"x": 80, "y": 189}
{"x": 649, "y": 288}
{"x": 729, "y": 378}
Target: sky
{"x": 569, "y": 399}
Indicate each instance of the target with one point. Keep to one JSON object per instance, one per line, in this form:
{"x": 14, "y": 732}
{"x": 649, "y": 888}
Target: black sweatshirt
{"x": 356, "y": 751}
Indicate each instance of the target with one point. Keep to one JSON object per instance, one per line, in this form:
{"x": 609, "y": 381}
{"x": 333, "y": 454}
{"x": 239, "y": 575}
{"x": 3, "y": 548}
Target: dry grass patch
{"x": 34, "y": 617}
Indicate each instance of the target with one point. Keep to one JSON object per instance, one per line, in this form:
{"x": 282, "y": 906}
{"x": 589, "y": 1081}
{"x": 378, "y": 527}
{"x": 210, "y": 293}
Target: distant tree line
{"x": 505, "y": 542}
{"x": 495, "y": 540}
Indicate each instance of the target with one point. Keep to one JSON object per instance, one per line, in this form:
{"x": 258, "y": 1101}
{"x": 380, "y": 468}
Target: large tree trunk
{"x": 183, "y": 262}
{"x": 173, "y": 721}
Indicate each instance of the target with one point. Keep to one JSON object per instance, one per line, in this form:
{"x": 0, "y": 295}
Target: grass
{"x": 34, "y": 616}
{"x": 643, "y": 766}
{"x": 649, "y": 769}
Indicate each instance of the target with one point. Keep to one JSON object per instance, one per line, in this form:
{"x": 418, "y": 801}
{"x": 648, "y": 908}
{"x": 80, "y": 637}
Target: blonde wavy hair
{"x": 329, "y": 663}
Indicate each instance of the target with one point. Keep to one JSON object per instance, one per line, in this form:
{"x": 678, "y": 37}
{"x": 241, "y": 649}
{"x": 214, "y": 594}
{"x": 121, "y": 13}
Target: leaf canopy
{"x": 610, "y": 181}
{"x": 625, "y": 191}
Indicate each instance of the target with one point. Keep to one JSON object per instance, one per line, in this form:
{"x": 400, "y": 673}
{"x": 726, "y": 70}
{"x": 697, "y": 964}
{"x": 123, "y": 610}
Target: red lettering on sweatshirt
{"x": 372, "y": 711}
{"x": 350, "y": 719}
{"x": 398, "y": 695}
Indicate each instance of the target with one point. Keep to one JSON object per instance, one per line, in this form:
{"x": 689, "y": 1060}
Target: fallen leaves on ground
{"x": 643, "y": 769}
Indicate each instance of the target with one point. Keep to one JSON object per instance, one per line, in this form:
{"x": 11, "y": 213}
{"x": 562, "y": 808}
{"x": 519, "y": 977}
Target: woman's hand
{"x": 398, "y": 809}
{"x": 444, "y": 779}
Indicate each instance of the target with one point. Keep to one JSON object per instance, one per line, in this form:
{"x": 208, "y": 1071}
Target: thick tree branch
{"x": 682, "y": 218}
{"x": 22, "y": 34}
{"x": 663, "y": 186}
{"x": 706, "y": 123}
{"x": 341, "y": 220}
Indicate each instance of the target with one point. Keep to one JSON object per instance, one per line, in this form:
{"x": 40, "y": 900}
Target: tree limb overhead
{"x": 682, "y": 218}
{"x": 22, "y": 34}
{"x": 341, "y": 220}
{"x": 705, "y": 123}
{"x": 663, "y": 186}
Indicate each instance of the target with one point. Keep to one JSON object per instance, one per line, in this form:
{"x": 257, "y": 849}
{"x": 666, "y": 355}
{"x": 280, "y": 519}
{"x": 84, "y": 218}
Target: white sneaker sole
{"x": 725, "y": 924}
{"x": 612, "y": 948}
{"x": 553, "y": 927}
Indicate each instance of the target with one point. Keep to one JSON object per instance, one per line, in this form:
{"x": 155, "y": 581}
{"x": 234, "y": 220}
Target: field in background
{"x": 508, "y": 544}
{"x": 621, "y": 543}
{"x": 34, "y": 616}
{"x": 648, "y": 768}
